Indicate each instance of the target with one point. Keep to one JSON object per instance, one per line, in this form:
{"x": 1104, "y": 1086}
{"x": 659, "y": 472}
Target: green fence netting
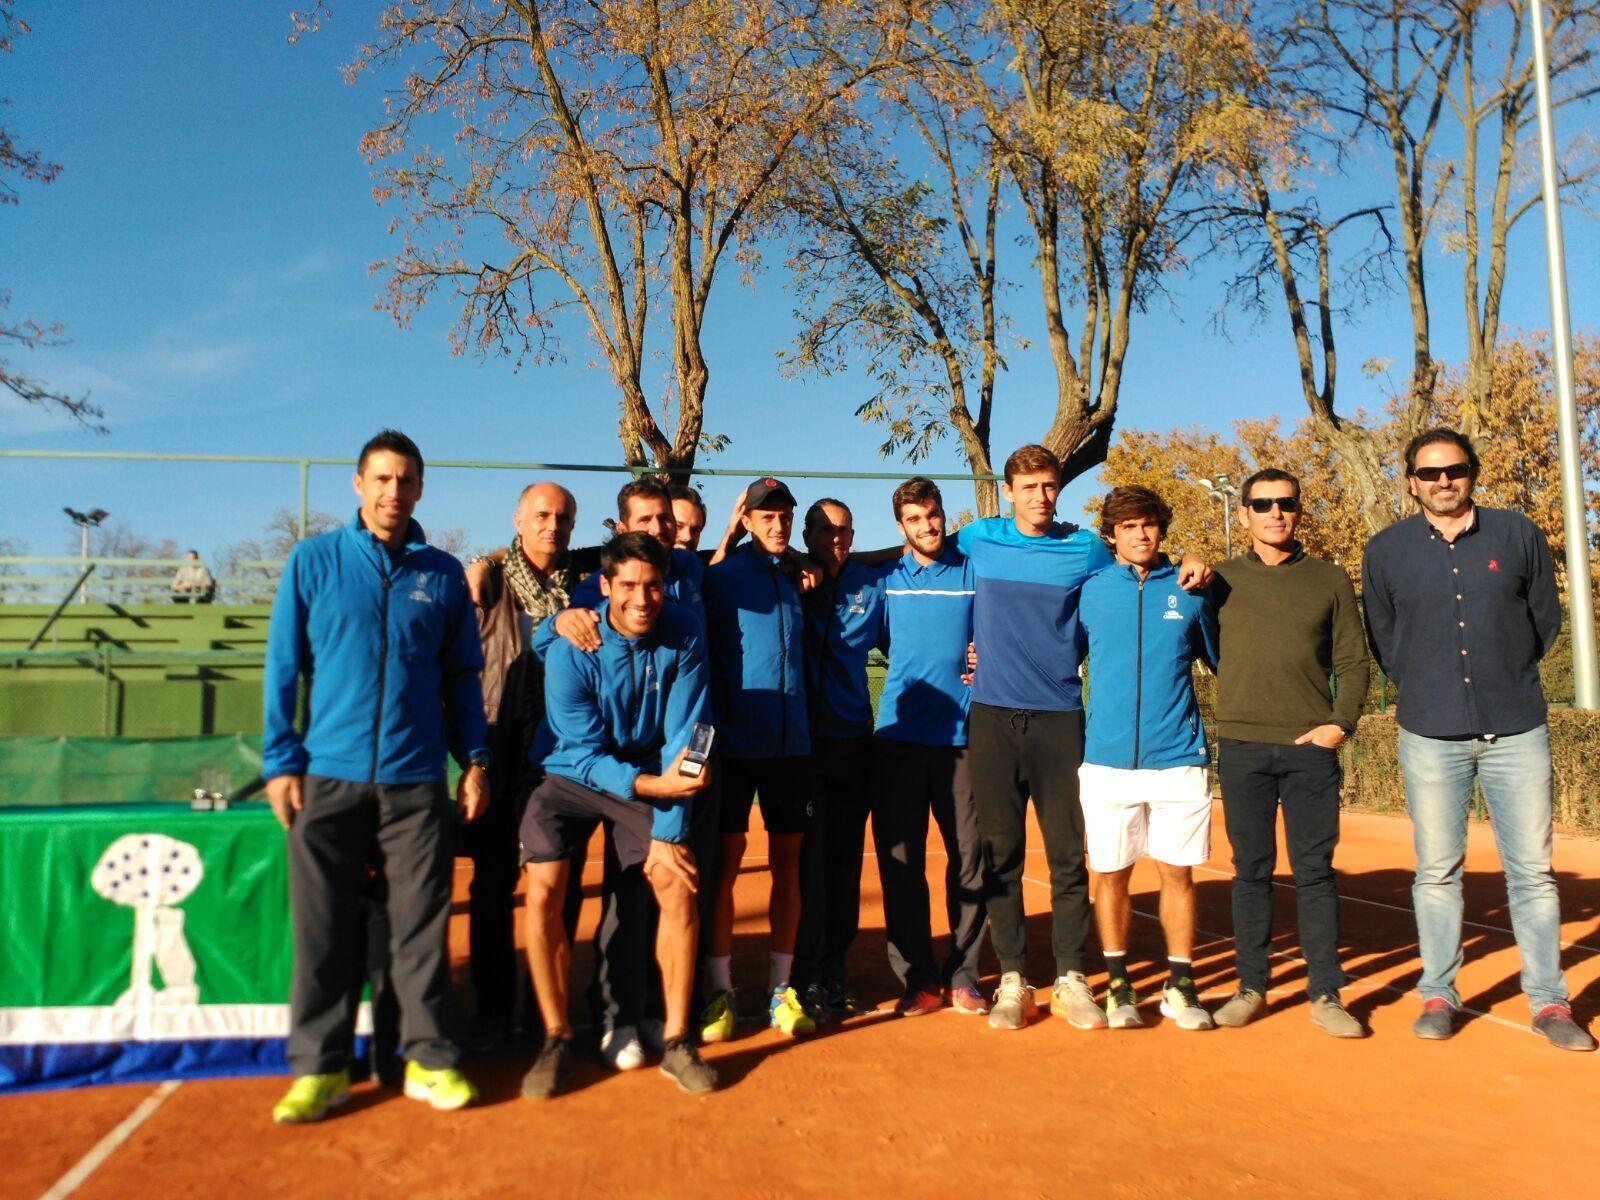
{"x": 56, "y": 771}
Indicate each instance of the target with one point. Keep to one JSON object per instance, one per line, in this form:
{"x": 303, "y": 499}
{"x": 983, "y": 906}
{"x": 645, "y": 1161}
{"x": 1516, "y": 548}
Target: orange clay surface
{"x": 944, "y": 1106}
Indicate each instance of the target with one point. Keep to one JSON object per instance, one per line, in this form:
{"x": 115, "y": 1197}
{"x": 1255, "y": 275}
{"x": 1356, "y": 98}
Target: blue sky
{"x": 207, "y": 245}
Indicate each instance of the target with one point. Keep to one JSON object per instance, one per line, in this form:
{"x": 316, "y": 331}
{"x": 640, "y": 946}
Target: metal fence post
{"x": 305, "y": 494}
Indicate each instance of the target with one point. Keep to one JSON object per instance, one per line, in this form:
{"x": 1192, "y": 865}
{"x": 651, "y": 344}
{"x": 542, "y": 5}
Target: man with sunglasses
{"x": 1287, "y": 622}
{"x": 1461, "y": 606}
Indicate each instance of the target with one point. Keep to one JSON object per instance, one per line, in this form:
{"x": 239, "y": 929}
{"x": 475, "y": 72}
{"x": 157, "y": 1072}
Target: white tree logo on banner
{"x": 152, "y": 874}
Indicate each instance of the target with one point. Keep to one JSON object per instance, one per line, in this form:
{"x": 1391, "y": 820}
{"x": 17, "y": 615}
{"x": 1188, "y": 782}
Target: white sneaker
{"x": 1072, "y": 999}
{"x": 621, "y": 1050}
{"x": 1181, "y": 1005}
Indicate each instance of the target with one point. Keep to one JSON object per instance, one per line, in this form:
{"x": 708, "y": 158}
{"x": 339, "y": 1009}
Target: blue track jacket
{"x": 389, "y": 647}
{"x": 685, "y": 582}
{"x": 627, "y": 708}
{"x": 844, "y": 621}
{"x": 754, "y": 627}
{"x": 1143, "y": 636}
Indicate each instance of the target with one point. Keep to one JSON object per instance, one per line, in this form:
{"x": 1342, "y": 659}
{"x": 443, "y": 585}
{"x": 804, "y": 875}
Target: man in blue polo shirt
{"x": 378, "y": 625}
{"x": 1461, "y": 605}
{"x": 1143, "y": 782}
{"x": 844, "y": 620}
{"x": 1026, "y": 726}
{"x": 920, "y": 760}
{"x": 617, "y": 723}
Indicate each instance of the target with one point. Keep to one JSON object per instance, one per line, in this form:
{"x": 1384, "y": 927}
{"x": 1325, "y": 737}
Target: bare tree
{"x": 30, "y": 166}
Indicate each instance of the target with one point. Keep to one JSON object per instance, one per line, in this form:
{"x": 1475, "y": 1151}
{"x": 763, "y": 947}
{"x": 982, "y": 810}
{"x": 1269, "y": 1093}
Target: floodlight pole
{"x": 1580, "y": 599}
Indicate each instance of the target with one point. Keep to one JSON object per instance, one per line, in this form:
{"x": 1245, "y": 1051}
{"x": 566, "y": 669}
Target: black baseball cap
{"x": 768, "y": 492}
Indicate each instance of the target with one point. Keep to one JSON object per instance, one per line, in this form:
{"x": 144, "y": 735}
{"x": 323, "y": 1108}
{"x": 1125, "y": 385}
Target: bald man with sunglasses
{"x": 1291, "y": 675}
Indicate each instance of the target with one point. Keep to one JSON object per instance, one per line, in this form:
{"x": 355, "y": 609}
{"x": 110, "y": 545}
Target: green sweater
{"x": 1284, "y": 630}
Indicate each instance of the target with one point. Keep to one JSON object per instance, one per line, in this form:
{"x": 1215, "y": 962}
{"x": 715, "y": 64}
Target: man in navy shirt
{"x": 1461, "y": 605}
{"x": 754, "y": 626}
{"x": 618, "y": 721}
{"x": 1026, "y": 726}
{"x": 379, "y": 626}
{"x": 1143, "y": 782}
{"x": 920, "y": 760}
{"x": 844, "y": 621}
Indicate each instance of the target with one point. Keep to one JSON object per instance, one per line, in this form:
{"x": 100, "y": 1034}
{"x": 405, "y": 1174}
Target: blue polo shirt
{"x": 844, "y": 621}
{"x": 927, "y": 625}
{"x": 1025, "y": 612}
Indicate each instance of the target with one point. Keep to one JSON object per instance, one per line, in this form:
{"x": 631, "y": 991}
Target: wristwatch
{"x": 480, "y": 758}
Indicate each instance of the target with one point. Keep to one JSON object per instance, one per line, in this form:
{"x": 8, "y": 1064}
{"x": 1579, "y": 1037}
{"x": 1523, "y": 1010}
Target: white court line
{"x": 103, "y": 1149}
{"x": 1292, "y": 960}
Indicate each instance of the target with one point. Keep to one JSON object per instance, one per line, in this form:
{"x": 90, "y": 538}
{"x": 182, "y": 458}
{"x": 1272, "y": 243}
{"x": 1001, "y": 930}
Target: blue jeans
{"x": 1514, "y": 772}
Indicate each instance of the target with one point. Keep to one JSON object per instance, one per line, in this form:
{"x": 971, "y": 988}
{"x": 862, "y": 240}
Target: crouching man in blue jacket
{"x": 1143, "y": 782}
{"x": 617, "y": 725}
{"x": 379, "y": 625}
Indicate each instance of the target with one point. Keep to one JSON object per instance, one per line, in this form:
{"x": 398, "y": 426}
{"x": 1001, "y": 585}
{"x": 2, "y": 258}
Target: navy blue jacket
{"x": 626, "y": 708}
{"x": 1144, "y": 636}
{"x": 844, "y": 621}
{"x": 1461, "y": 626}
{"x": 389, "y": 645}
{"x": 755, "y": 629}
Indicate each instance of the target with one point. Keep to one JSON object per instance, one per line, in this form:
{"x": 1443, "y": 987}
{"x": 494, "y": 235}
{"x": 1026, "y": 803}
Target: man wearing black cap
{"x": 754, "y": 626}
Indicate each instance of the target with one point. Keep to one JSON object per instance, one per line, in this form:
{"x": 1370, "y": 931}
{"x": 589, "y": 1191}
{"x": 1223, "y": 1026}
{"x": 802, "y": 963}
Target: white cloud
{"x": 258, "y": 284}
{"x": 198, "y": 362}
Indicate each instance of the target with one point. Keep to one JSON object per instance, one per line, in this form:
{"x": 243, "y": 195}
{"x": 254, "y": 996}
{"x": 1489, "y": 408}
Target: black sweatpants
{"x": 1256, "y": 777}
{"x": 912, "y": 781}
{"x": 831, "y": 857}
{"x": 329, "y": 849}
{"x": 1015, "y": 754}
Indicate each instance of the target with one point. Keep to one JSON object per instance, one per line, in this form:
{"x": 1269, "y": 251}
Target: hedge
{"x": 1372, "y": 781}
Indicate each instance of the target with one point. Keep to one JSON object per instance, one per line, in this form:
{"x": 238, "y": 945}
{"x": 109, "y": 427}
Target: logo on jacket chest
{"x": 419, "y": 589}
{"x": 856, "y": 605}
{"x": 1172, "y": 613}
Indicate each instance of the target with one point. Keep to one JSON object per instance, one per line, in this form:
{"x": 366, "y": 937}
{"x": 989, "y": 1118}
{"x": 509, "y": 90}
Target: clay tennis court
{"x": 942, "y": 1105}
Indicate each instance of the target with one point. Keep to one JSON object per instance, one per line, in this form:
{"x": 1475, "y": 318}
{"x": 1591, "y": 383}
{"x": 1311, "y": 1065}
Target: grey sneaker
{"x": 1014, "y": 1004}
{"x": 1122, "y": 1005}
{"x": 1072, "y": 999}
{"x": 1180, "y": 1004}
{"x": 1246, "y": 1005}
{"x": 551, "y": 1070}
{"x": 682, "y": 1064}
{"x": 1436, "y": 1022}
{"x": 1560, "y": 1030}
{"x": 1330, "y": 1016}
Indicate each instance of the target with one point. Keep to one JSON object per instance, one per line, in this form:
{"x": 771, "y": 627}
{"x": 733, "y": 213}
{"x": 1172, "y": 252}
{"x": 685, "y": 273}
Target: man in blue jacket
{"x": 754, "y": 625}
{"x": 380, "y": 626}
{"x": 618, "y": 722}
{"x": 1143, "y": 782}
{"x": 843, "y": 623}
{"x": 920, "y": 760}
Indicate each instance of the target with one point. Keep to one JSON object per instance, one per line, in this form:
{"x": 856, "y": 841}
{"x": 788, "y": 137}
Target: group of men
{"x": 659, "y": 692}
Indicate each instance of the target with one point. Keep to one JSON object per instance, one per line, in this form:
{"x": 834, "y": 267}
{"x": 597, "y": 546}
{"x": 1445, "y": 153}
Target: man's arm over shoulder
{"x": 288, "y": 656}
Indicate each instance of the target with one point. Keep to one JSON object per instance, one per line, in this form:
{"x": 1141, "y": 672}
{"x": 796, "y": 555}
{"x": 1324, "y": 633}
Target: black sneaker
{"x": 839, "y": 1003}
{"x": 681, "y": 1063}
{"x": 551, "y": 1070}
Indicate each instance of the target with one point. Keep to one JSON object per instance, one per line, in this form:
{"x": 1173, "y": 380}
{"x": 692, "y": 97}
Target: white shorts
{"x": 1165, "y": 813}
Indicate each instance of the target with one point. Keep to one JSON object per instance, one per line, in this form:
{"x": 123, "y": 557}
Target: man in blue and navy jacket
{"x": 618, "y": 722}
{"x": 843, "y": 623}
{"x": 754, "y": 625}
{"x": 1143, "y": 783}
{"x": 379, "y": 625}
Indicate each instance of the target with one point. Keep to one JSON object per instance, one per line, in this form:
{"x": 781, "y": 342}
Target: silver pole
{"x": 1580, "y": 601}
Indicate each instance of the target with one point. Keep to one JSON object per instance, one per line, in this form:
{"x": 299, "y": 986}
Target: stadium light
{"x": 83, "y": 520}
{"x": 1220, "y": 490}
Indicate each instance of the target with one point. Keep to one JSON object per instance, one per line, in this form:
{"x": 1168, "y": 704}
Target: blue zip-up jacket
{"x": 1144, "y": 634}
{"x": 627, "y": 708}
{"x": 685, "y": 583}
{"x": 1025, "y": 613}
{"x": 389, "y": 646}
{"x": 844, "y": 621}
{"x": 754, "y": 627}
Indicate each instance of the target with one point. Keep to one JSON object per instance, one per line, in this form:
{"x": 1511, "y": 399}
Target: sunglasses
{"x": 1458, "y": 470}
{"x": 1263, "y": 504}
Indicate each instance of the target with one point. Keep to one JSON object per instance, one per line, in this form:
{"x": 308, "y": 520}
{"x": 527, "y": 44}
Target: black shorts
{"x": 784, "y": 785}
{"x": 562, "y": 815}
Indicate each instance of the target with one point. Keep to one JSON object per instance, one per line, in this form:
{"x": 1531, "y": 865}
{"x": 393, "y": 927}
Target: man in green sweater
{"x": 1287, "y": 622}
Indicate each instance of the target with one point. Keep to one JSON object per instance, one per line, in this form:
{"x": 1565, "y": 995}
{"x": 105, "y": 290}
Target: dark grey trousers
{"x": 912, "y": 782}
{"x": 407, "y": 831}
{"x": 830, "y": 859}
